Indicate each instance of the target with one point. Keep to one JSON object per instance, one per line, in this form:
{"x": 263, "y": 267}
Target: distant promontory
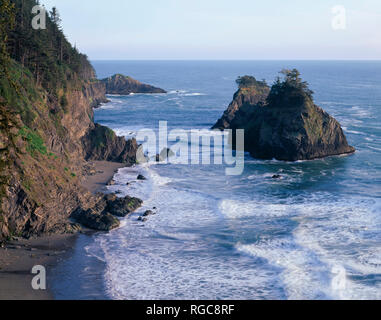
{"x": 283, "y": 122}
{"x": 124, "y": 85}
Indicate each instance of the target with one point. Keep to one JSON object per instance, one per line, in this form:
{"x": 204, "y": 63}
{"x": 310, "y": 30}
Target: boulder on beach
{"x": 101, "y": 215}
{"x": 93, "y": 219}
{"x": 122, "y": 207}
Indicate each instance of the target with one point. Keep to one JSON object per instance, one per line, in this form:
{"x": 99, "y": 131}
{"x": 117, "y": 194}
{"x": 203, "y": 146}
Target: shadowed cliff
{"x": 47, "y": 94}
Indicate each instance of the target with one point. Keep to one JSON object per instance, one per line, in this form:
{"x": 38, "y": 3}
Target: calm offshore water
{"x": 248, "y": 236}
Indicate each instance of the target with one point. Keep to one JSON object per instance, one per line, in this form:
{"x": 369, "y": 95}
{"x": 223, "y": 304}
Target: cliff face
{"x": 120, "y": 84}
{"x": 44, "y": 152}
{"x": 287, "y": 125}
{"x": 47, "y": 133}
{"x": 96, "y": 93}
{"x": 244, "y": 101}
{"x": 43, "y": 161}
{"x": 101, "y": 143}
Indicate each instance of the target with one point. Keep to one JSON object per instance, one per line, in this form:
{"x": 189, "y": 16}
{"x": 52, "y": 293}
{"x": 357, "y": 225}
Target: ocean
{"x": 314, "y": 234}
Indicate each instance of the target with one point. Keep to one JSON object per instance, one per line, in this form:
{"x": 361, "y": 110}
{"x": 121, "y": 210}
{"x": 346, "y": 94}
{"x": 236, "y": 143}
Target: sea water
{"x": 313, "y": 234}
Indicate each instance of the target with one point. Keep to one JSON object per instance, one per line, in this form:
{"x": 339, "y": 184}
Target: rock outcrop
{"x": 101, "y": 143}
{"x": 47, "y": 133}
{"x": 286, "y": 125}
{"x": 101, "y": 214}
{"x": 96, "y": 93}
{"x": 122, "y": 207}
{"x": 123, "y": 85}
{"x": 250, "y": 93}
{"x": 92, "y": 219}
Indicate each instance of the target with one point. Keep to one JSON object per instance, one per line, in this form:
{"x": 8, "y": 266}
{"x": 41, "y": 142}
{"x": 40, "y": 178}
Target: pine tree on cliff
{"x": 56, "y": 20}
{"x": 7, "y": 19}
{"x": 291, "y": 86}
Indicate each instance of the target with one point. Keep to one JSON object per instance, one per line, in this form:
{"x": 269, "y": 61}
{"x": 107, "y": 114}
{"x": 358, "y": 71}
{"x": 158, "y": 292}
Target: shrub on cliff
{"x": 291, "y": 91}
{"x": 249, "y": 81}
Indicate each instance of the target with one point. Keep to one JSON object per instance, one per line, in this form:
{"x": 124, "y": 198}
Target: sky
{"x": 222, "y": 29}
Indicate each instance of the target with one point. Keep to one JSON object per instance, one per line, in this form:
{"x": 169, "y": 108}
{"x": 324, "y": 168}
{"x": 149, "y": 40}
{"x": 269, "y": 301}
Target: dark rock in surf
{"x": 148, "y": 213}
{"x": 164, "y": 155}
{"x": 93, "y": 219}
{"x": 100, "y": 215}
{"x": 122, "y": 207}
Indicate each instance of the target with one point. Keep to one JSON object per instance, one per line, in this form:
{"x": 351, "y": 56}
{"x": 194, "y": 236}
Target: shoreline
{"x": 19, "y": 256}
{"x": 101, "y": 173}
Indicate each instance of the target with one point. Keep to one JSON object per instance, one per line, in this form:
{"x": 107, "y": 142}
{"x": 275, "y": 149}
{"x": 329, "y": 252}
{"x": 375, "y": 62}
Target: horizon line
{"x": 348, "y": 60}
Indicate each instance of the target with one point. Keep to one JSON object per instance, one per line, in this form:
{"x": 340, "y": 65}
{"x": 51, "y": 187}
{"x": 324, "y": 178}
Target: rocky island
{"x": 283, "y": 122}
{"x": 124, "y": 85}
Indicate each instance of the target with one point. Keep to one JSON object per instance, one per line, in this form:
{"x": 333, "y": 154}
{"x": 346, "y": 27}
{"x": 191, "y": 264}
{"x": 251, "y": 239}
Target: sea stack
{"x": 283, "y": 122}
{"x": 124, "y": 85}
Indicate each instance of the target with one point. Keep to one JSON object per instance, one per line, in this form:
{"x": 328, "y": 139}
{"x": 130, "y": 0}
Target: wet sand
{"x": 103, "y": 172}
{"x": 18, "y": 257}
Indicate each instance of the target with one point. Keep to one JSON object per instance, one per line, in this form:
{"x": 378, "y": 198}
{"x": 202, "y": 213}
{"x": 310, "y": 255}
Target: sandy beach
{"x": 18, "y": 257}
{"x": 101, "y": 174}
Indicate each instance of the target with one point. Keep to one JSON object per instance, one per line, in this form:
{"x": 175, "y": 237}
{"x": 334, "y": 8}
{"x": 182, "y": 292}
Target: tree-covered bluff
{"x": 47, "y": 94}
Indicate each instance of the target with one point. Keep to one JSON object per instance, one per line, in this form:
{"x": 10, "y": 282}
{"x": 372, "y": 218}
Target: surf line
{"x": 222, "y": 146}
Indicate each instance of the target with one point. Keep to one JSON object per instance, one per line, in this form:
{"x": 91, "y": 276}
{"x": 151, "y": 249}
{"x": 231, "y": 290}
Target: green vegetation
{"x": 289, "y": 91}
{"x": 46, "y": 53}
{"x": 39, "y": 70}
{"x": 64, "y": 103}
{"x": 26, "y": 184}
{"x": 101, "y": 135}
{"x": 34, "y": 140}
{"x": 7, "y": 22}
{"x": 249, "y": 81}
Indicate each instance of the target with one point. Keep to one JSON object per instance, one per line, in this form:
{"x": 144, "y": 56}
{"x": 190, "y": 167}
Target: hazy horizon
{"x": 221, "y": 30}
{"x": 312, "y": 60}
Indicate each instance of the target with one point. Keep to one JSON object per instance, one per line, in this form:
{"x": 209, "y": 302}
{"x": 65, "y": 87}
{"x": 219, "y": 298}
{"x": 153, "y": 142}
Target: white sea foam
{"x": 114, "y": 105}
{"x": 152, "y": 261}
{"x": 355, "y": 132}
{"x": 329, "y": 234}
{"x": 176, "y": 255}
{"x": 343, "y": 234}
{"x": 238, "y": 209}
{"x": 158, "y": 179}
{"x": 303, "y": 274}
{"x": 194, "y": 94}
{"x": 127, "y": 132}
